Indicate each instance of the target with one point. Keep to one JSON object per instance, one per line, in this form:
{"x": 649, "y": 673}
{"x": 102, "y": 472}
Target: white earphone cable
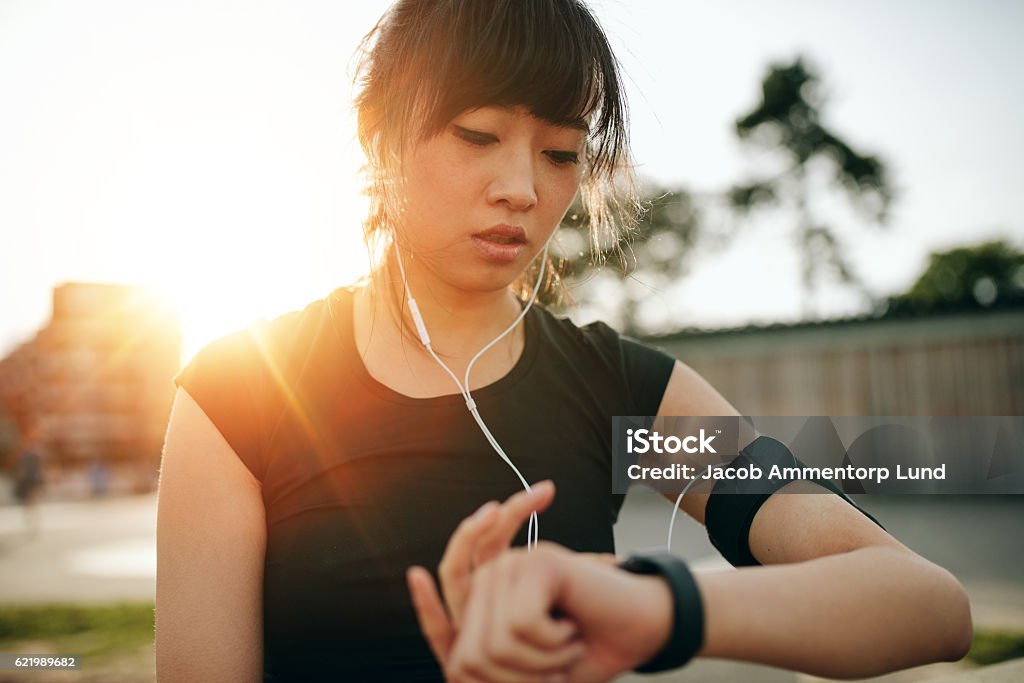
{"x": 533, "y": 530}
{"x": 675, "y": 508}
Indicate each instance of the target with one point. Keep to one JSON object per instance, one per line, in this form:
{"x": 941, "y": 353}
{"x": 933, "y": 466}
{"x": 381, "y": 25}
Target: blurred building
{"x": 95, "y": 380}
{"x": 966, "y": 363}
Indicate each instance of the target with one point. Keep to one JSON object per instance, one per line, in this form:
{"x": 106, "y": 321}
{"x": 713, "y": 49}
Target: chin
{"x": 489, "y": 279}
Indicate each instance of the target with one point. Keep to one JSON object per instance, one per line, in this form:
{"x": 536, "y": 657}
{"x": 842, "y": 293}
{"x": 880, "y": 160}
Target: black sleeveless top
{"x": 360, "y": 482}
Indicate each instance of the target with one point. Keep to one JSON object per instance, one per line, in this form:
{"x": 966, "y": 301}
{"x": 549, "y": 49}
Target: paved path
{"x": 82, "y": 552}
{"x": 976, "y": 538}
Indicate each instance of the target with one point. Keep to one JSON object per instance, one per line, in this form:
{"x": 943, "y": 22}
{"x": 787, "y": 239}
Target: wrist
{"x": 654, "y": 616}
{"x": 686, "y": 632}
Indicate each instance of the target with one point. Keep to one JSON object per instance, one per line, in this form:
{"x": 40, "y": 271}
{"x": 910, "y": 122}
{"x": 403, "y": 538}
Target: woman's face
{"x": 483, "y": 196}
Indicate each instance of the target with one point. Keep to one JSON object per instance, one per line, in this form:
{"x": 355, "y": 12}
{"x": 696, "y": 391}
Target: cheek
{"x": 561, "y": 191}
{"x": 426, "y": 193}
{"x": 438, "y": 181}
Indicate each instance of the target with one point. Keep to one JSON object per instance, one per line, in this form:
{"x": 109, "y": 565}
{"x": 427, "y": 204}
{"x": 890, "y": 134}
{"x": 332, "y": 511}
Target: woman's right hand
{"x": 477, "y": 541}
{"x": 481, "y": 537}
{"x": 548, "y": 615}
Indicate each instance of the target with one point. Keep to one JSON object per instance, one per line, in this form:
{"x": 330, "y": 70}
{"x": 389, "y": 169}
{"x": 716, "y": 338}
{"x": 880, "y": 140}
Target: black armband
{"x": 687, "y": 635}
{"x": 732, "y": 505}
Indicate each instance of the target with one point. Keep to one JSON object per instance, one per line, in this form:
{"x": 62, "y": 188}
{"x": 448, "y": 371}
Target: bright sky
{"x": 189, "y": 146}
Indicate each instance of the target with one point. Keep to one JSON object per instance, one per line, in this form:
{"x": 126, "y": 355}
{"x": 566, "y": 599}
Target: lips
{"x": 503, "y": 234}
{"x": 500, "y": 244}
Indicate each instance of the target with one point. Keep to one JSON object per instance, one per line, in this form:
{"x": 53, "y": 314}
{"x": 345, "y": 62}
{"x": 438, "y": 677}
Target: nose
{"x": 514, "y": 181}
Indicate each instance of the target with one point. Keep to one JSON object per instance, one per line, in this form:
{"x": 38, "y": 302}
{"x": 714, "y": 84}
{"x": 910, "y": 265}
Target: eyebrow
{"x": 578, "y": 124}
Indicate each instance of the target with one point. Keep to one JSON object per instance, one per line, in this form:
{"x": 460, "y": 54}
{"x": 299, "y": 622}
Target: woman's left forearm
{"x": 851, "y": 615}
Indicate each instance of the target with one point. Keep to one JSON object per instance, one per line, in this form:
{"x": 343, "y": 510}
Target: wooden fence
{"x": 963, "y": 364}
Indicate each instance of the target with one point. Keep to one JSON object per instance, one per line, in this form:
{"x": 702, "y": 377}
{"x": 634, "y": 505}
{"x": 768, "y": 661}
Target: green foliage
{"x": 992, "y": 647}
{"x": 666, "y": 214}
{"x": 787, "y": 121}
{"x": 746, "y": 197}
{"x": 664, "y": 238}
{"x": 982, "y": 276}
{"x": 78, "y": 629}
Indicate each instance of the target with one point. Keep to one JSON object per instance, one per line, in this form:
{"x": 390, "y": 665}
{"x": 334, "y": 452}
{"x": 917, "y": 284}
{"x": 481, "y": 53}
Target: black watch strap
{"x": 687, "y": 614}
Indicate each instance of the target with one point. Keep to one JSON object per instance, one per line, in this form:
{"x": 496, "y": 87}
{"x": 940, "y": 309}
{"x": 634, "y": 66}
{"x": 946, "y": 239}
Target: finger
{"x": 496, "y": 652}
{"x": 464, "y": 662}
{"x": 430, "y": 613}
{"x": 532, "y": 604}
{"x": 545, "y": 633}
{"x": 519, "y": 650}
{"x": 511, "y": 517}
{"x": 471, "y": 656}
{"x": 457, "y": 562}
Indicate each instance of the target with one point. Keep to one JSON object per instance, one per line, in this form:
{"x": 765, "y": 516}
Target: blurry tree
{"x": 787, "y": 122}
{"x": 983, "y": 276}
{"x": 652, "y": 257}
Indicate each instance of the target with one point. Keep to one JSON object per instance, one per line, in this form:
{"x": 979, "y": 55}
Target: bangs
{"x": 549, "y": 56}
{"x": 427, "y": 61}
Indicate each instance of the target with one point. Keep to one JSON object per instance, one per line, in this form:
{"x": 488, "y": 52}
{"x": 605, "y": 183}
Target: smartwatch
{"x": 687, "y": 635}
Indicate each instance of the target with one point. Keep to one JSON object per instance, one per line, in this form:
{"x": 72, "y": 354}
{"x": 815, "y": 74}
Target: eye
{"x": 563, "y": 158}
{"x": 473, "y": 137}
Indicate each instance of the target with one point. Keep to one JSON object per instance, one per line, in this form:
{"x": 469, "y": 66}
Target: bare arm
{"x": 845, "y": 598}
{"x": 841, "y": 598}
{"x": 211, "y": 540}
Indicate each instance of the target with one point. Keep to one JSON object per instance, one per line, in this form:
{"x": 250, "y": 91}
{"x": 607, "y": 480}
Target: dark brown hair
{"x": 426, "y": 61}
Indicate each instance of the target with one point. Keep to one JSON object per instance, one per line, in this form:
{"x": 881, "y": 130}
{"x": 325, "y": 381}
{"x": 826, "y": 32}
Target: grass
{"x": 992, "y": 647}
{"x": 98, "y": 632}
{"x": 103, "y": 632}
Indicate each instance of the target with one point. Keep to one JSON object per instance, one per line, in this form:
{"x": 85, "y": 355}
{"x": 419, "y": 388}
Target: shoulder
{"x": 599, "y": 337}
{"x": 242, "y": 380}
{"x": 641, "y": 370}
{"x": 593, "y": 349}
{"x": 265, "y": 346}
{"x": 239, "y": 379}
{"x": 561, "y": 331}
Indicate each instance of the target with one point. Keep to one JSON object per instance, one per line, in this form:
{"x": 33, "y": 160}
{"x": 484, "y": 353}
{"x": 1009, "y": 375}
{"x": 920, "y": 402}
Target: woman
{"x": 311, "y": 459}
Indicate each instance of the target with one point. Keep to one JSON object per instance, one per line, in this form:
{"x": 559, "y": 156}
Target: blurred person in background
{"x": 99, "y": 477}
{"x": 29, "y": 479}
